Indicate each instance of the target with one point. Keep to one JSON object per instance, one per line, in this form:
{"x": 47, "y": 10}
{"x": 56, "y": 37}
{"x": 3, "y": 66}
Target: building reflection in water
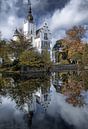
{"x": 29, "y": 94}
{"x": 40, "y": 97}
{"x": 34, "y": 94}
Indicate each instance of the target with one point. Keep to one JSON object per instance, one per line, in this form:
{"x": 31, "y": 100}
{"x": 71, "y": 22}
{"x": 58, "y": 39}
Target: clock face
{"x": 30, "y": 18}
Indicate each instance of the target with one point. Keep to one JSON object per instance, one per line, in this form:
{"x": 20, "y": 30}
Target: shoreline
{"x": 54, "y": 68}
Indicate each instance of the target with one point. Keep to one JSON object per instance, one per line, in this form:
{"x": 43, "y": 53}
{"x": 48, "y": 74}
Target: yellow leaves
{"x": 29, "y": 58}
{"x": 85, "y": 55}
{"x": 74, "y": 41}
{"x": 64, "y": 62}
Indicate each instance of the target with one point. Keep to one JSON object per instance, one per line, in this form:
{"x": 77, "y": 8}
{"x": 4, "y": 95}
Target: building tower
{"x": 29, "y": 27}
{"x": 16, "y": 35}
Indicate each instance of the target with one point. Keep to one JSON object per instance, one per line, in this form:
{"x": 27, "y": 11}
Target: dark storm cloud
{"x": 49, "y": 6}
{"x": 12, "y": 13}
{"x": 40, "y": 7}
{"x": 60, "y": 14}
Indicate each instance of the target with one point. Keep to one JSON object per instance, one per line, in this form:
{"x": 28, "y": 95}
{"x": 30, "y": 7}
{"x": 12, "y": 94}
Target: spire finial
{"x": 30, "y": 17}
{"x": 29, "y": 3}
{"x": 29, "y": 6}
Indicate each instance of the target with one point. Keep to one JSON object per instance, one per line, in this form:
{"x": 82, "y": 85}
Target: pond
{"x": 44, "y": 101}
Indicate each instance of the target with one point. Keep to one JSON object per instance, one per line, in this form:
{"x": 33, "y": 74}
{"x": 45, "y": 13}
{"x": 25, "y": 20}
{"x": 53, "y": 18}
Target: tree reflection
{"x": 85, "y": 79}
{"x": 73, "y": 83}
{"x": 26, "y": 92}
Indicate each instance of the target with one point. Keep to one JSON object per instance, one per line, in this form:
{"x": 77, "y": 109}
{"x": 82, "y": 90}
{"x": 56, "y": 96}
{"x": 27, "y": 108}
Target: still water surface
{"x": 56, "y": 101}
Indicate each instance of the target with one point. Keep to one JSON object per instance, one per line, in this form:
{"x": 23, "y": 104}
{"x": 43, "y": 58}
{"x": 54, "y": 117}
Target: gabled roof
{"x": 16, "y": 32}
{"x": 37, "y": 32}
{"x": 57, "y": 45}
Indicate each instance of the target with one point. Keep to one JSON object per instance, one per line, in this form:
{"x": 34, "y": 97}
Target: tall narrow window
{"x": 45, "y": 36}
{"x": 31, "y": 31}
{"x": 45, "y": 97}
{"x": 31, "y": 39}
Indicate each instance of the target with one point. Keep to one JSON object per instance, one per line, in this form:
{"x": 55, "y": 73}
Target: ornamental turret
{"x": 29, "y": 27}
{"x": 30, "y": 16}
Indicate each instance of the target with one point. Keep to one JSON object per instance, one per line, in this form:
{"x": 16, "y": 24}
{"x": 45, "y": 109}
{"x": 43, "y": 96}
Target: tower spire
{"x": 30, "y": 17}
{"x": 30, "y": 9}
{"x": 29, "y": 2}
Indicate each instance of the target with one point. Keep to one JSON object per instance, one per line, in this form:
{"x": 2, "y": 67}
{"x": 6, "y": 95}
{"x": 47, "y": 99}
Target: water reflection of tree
{"x": 5, "y": 85}
{"x": 85, "y": 79}
{"x": 73, "y": 85}
{"x": 21, "y": 91}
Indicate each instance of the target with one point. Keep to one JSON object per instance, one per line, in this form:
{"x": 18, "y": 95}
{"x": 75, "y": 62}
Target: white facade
{"x": 29, "y": 30}
{"x": 43, "y": 39}
{"x": 40, "y": 39}
{"x": 42, "y": 96}
{"x": 15, "y": 38}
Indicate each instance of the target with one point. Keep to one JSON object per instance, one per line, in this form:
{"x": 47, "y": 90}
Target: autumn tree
{"x": 74, "y": 42}
{"x": 30, "y": 58}
{"x": 35, "y": 59}
{"x": 45, "y": 59}
{"x": 85, "y": 55}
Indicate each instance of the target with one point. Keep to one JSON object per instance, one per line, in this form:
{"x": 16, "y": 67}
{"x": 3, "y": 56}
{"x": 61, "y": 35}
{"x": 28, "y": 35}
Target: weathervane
{"x": 29, "y": 5}
{"x": 29, "y": 2}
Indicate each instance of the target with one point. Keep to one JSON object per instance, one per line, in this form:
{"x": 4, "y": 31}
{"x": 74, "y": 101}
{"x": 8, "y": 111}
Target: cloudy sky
{"x": 60, "y": 14}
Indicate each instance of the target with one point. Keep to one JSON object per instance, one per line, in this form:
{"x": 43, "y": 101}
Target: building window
{"x": 45, "y": 97}
{"x": 31, "y": 31}
{"x": 42, "y": 44}
{"x": 45, "y": 44}
{"x": 31, "y": 39}
{"x": 45, "y": 36}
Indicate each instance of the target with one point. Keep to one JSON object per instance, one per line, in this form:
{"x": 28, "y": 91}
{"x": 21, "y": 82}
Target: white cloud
{"x": 9, "y": 114}
{"x": 8, "y": 18}
{"x": 8, "y": 28}
{"x": 74, "y": 13}
{"x": 75, "y": 116}
{"x": 71, "y": 14}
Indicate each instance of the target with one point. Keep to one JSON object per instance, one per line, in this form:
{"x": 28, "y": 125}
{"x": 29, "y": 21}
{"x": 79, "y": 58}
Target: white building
{"x": 41, "y": 38}
{"x": 42, "y": 96}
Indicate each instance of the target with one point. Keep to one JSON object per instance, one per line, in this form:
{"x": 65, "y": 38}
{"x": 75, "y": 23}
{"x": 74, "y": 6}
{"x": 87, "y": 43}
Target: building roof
{"x": 57, "y": 45}
{"x": 16, "y": 32}
{"x": 37, "y": 33}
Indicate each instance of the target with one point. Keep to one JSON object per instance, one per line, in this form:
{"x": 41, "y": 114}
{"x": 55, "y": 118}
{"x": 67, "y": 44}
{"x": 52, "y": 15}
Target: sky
{"x": 59, "y": 14}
